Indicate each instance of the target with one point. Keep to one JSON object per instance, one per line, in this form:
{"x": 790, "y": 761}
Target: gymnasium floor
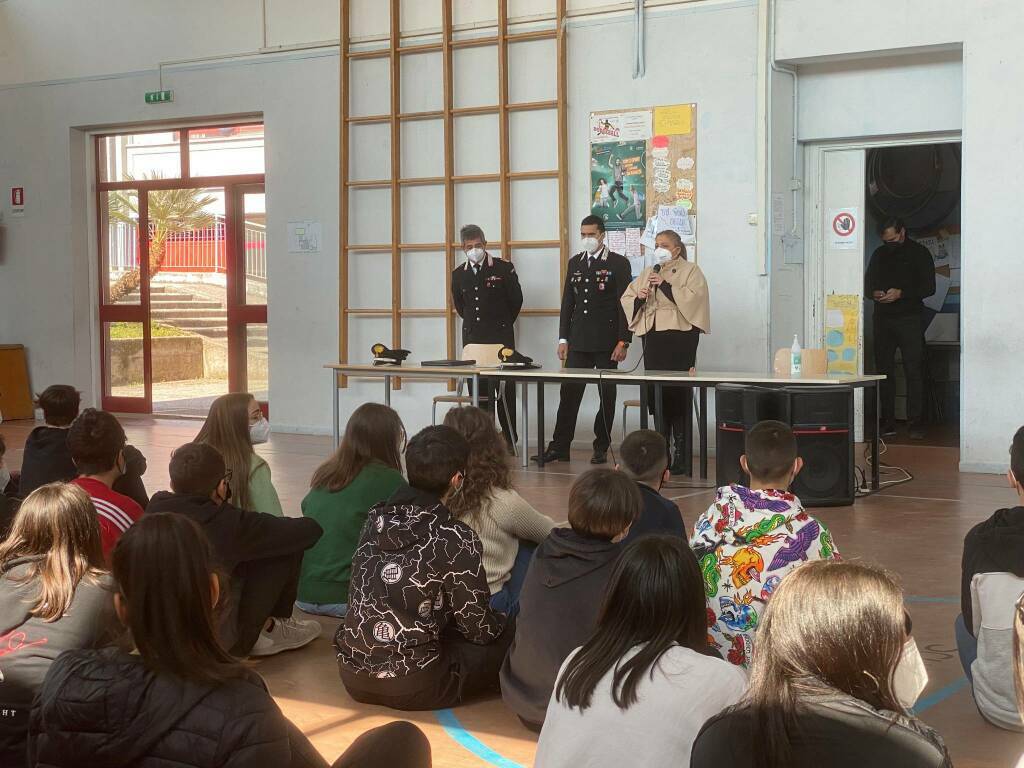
{"x": 916, "y": 530}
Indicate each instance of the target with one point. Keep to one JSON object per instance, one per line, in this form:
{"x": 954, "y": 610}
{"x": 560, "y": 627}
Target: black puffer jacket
{"x": 106, "y": 709}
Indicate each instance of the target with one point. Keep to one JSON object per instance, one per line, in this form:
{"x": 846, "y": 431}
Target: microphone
{"x": 656, "y": 268}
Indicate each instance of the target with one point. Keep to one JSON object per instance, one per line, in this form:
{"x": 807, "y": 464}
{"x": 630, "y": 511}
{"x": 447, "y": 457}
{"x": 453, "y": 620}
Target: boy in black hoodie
{"x": 47, "y": 457}
{"x": 995, "y": 545}
{"x": 644, "y": 459}
{"x": 420, "y": 632}
{"x": 260, "y": 553}
{"x": 564, "y": 586}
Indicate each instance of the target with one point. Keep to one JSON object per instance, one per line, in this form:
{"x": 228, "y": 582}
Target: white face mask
{"x": 590, "y": 244}
{"x": 260, "y": 431}
{"x": 910, "y": 677}
{"x": 661, "y": 255}
{"x": 5, "y": 478}
{"x": 476, "y": 255}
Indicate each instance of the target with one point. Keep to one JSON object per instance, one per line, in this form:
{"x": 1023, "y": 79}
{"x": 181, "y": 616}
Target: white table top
{"x": 699, "y": 377}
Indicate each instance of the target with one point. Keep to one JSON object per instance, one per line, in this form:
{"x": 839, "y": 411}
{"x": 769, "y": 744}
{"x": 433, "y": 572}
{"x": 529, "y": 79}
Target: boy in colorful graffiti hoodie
{"x": 751, "y": 537}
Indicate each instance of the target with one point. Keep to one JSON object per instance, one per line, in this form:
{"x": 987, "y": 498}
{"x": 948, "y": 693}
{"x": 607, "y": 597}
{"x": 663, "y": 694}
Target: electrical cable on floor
{"x": 863, "y": 487}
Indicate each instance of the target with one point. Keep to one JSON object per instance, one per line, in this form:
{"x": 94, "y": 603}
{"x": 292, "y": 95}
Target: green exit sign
{"x": 159, "y": 97}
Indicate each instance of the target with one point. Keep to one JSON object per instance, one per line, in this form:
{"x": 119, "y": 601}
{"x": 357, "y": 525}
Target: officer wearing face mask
{"x": 901, "y": 273}
{"x": 593, "y": 333}
{"x": 669, "y": 308}
{"x": 487, "y": 295}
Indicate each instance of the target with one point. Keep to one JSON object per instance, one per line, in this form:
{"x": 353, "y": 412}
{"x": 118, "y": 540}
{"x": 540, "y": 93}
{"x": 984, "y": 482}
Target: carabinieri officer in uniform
{"x": 487, "y": 295}
{"x": 593, "y": 334}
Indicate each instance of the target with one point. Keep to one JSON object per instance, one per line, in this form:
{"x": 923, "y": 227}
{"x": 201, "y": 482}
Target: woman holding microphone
{"x": 668, "y": 307}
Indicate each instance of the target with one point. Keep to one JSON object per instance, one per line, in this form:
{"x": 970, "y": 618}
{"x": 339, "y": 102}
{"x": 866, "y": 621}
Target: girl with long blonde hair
{"x": 236, "y": 423}
{"x": 54, "y": 597}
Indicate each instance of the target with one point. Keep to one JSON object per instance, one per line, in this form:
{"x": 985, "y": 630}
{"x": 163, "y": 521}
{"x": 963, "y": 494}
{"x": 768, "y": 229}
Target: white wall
{"x": 825, "y": 31}
{"x": 882, "y": 96}
{"x": 48, "y": 269}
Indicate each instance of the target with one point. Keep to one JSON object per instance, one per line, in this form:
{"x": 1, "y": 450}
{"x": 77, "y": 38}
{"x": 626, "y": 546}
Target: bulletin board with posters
{"x": 643, "y": 177}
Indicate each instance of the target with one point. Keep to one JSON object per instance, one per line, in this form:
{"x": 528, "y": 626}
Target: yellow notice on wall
{"x": 842, "y": 325}
{"x": 673, "y": 120}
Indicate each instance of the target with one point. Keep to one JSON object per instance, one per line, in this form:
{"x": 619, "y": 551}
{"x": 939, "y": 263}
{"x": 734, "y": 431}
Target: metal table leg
{"x": 476, "y": 391}
{"x": 688, "y": 430}
{"x": 875, "y": 472}
{"x": 524, "y": 416}
{"x": 702, "y": 428}
{"x": 659, "y": 410}
{"x": 335, "y": 425}
{"x": 644, "y": 420}
{"x": 540, "y": 423}
{"x": 387, "y": 390}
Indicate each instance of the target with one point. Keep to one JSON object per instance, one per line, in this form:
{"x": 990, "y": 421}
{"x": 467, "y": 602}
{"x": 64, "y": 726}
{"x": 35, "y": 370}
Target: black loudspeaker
{"x": 822, "y": 420}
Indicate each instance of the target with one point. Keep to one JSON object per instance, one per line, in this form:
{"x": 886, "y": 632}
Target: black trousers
{"x": 671, "y": 351}
{"x": 396, "y": 745}
{"x": 905, "y": 333}
{"x": 265, "y": 588}
{"x": 467, "y": 670}
{"x": 571, "y": 395}
{"x": 506, "y": 407}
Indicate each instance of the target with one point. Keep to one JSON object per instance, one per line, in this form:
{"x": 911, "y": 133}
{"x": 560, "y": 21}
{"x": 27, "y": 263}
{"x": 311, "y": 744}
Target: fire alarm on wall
{"x": 18, "y": 196}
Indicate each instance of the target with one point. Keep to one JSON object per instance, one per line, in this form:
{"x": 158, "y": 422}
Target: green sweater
{"x": 262, "y": 494}
{"x": 326, "y": 567}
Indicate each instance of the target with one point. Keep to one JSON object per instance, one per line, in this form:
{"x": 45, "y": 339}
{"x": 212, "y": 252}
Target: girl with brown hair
{"x": 365, "y": 470}
{"x": 509, "y": 528}
{"x": 824, "y": 684}
{"x": 54, "y": 597}
{"x": 177, "y": 698}
{"x": 236, "y": 423}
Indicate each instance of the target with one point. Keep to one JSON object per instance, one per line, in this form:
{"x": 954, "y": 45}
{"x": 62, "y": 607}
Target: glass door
{"x": 189, "y": 266}
{"x": 247, "y": 292}
{"x": 125, "y": 362}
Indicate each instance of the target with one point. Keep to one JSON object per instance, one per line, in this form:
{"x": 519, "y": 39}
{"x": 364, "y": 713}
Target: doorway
{"x": 920, "y": 185}
{"x": 183, "y": 309}
{"x": 914, "y": 177}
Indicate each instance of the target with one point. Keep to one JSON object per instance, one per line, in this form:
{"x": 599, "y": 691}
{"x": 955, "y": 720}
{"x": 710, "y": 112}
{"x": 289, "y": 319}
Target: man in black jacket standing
{"x": 593, "y": 333}
{"x": 487, "y": 295}
{"x": 900, "y": 275}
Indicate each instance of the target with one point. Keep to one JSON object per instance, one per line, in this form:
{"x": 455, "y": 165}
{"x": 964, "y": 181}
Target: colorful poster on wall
{"x": 842, "y": 331}
{"x": 621, "y": 126}
{"x": 618, "y": 175}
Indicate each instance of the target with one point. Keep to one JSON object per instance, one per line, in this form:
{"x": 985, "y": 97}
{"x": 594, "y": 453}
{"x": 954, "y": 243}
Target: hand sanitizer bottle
{"x": 795, "y": 357}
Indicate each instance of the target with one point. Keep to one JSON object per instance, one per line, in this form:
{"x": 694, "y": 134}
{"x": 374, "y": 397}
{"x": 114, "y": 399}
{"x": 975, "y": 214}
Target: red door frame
{"x": 140, "y": 313}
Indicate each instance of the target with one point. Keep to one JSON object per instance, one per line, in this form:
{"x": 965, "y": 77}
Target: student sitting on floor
{"x": 420, "y": 632}
{"x": 1018, "y": 660}
{"x": 234, "y": 425}
{"x": 751, "y": 537}
{"x": 260, "y": 554}
{"x": 97, "y": 443}
{"x": 365, "y": 470}
{"x": 992, "y": 581}
{"x": 174, "y": 696}
{"x": 826, "y": 684}
{"x": 643, "y": 456}
{"x": 561, "y": 597}
{"x": 509, "y": 528}
{"x": 54, "y": 597}
{"x": 8, "y": 497}
{"x": 47, "y": 457}
{"x": 641, "y": 687}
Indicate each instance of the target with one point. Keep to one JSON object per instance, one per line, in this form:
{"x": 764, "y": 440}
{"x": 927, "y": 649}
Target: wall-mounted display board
{"x": 643, "y": 177}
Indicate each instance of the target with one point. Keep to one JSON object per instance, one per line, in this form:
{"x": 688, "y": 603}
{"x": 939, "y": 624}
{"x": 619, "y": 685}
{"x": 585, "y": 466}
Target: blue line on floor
{"x": 922, "y": 599}
{"x": 940, "y": 695}
{"x": 468, "y": 741}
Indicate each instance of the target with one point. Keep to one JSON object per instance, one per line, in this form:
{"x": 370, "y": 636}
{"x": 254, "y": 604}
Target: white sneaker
{"x": 286, "y": 635}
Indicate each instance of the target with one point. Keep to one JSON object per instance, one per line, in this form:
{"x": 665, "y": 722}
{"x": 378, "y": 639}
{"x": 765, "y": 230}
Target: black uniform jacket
{"x": 592, "y": 319}
{"x": 488, "y": 302}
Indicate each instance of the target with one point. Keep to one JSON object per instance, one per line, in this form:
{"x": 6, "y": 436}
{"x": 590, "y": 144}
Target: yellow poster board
{"x": 842, "y": 333}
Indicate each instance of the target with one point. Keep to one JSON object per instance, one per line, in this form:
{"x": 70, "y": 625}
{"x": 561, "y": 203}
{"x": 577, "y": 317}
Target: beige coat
{"x": 690, "y": 306}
